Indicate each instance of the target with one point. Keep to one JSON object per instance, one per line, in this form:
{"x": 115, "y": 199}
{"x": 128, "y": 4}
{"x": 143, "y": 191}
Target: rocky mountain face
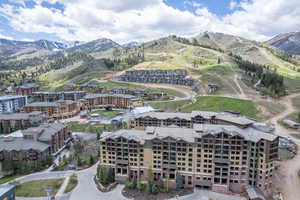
{"x": 289, "y": 42}
{"x": 101, "y": 44}
{"x": 13, "y": 48}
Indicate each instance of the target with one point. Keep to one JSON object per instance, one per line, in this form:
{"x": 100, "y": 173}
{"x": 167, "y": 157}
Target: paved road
{"x": 290, "y": 183}
{"x": 43, "y": 176}
{"x": 87, "y": 190}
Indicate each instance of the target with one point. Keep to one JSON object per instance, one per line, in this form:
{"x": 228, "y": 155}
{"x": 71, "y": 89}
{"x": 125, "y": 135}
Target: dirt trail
{"x": 242, "y": 94}
{"x": 290, "y": 182}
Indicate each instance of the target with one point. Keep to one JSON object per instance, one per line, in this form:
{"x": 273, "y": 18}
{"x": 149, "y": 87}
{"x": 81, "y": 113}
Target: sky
{"x": 143, "y": 20}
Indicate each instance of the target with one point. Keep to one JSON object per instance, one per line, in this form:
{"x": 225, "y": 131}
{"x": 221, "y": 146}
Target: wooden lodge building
{"x": 54, "y": 110}
{"x": 27, "y": 89}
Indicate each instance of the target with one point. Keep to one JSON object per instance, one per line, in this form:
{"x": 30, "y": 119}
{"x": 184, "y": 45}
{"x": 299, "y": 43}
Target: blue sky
{"x": 136, "y": 20}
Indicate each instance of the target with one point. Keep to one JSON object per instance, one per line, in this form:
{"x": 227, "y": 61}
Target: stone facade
{"x": 175, "y": 77}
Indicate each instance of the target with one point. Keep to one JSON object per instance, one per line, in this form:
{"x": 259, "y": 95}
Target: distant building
{"x": 188, "y": 120}
{"x": 10, "y": 122}
{"x": 176, "y": 77}
{"x": 213, "y": 87}
{"x": 54, "y": 110}
{"x": 9, "y": 104}
{"x": 93, "y": 101}
{"x": 7, "y": 192}
{"x": 27, "y": 89}
{"x": 56, "y": 96}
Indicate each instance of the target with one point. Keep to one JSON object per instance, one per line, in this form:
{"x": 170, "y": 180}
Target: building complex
{"x": 27, "y": 89}
{"x": 10, "y": 122}
{"x": 54, "y": 110}
{"x": 92, "y": 101}
{"x": 56, "y": 96}
{"x": 36, "y": 143}
{"x": 224, "y": 158}
{"x": 176, "y": 77}
{"x": 189, "y": 119}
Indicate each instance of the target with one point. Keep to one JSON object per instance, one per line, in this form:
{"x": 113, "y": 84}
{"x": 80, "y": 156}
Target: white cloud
{"x": 5, "y": 37}
{"x": 233, "y": 4}
{"x": 124, "y": 20}
{"x": 192, "y": 3}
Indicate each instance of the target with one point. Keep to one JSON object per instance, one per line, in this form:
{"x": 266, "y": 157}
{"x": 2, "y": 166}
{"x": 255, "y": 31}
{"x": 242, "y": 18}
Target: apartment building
{"x": 10, "y": 122}
{"x": 223, "y": 158}
{"x": 189, "y": 119}
{"x": 56, "y": 135}
{"x": 177, "y": 77}
{"x": 27, "y": 89}
{"x": 93, "y": 101}
{"x": 56, "y": 96}
{"x": 9, "y": 104}
{"x": 54, "y": 110}
{"x": 14, "y": 149}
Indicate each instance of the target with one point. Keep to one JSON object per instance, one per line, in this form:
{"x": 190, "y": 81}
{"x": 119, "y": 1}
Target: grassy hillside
{"x": 220, "y": 104}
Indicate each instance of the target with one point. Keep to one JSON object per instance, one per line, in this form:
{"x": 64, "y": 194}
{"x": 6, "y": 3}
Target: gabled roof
{"x": 19, "y": 144}
{"x": 188, "y": 134}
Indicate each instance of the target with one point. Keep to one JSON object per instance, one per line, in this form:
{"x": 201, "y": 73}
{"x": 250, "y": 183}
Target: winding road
{"x": 290, "y": 183}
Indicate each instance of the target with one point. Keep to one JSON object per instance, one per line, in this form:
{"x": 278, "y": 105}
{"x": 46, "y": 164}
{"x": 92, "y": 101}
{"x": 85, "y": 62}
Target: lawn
{"x": 219, "y": 104}
{"x": 36, "y": 188}
{"x": 105, "y": 113}
{"x": 169, "y": 92}
{"x": 169, "y": 106}
{"x": 72, "y": 183}
{"x": 88, "y": 128}
{"x": 111, "y": 84}
{"x": 8, "y": 178}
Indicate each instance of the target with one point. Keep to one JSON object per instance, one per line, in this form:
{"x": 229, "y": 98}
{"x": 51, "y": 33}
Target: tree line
{"x": 268, "y": 78}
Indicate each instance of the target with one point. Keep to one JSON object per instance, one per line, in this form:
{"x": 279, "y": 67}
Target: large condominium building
{"x": 223, "y": 158}
{"x": 54, "y": 110}
{"x": 55, "y": 96}
{"x": 27, "y": 89}
{"x": 10, "y": 104}
{"x": 189, "y": 119}
{"x": 93, "y": 101}
{"x": 10, "y": 122}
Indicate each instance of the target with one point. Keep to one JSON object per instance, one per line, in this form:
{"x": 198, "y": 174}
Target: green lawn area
{"x": 169, "y": 106}
{"x": 72, "y": 183}
{"x": 111, "y": 84}
{"x": 105, "y": 113}
{"x": 36, "y": 188}
{"x": 88, "y": 128}
{"x": 8, "y": 178}
{"x": 169, "y": 92}
{"x": 219, "y": 104}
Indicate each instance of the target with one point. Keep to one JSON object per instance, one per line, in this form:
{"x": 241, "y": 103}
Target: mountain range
{"x": 289, "y": 42}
